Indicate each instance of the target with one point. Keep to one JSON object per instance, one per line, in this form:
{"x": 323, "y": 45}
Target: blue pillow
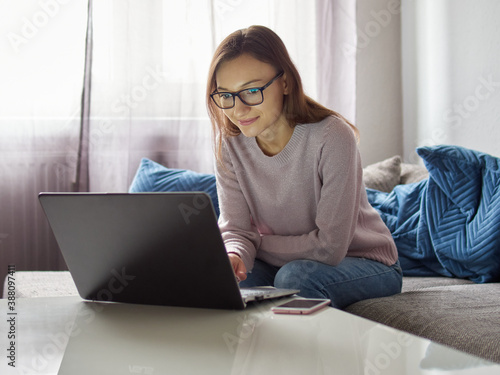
{"x": 154, "y": 177}
{"x": 461, "y": 174}
{"x": 448, "y": 224}
{"x": 462, "y": 210}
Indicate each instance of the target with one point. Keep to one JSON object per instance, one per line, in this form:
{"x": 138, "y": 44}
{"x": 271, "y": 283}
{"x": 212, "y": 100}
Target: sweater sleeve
{"x": 235, "y": 222}
{"x": 337, "y": 211}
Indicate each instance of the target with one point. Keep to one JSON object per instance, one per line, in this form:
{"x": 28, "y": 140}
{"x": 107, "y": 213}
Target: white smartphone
{"x": 301, "y": 306}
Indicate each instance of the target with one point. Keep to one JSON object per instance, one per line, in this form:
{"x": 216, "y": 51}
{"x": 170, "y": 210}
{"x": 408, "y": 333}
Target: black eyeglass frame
{"x": 237, "y": 94}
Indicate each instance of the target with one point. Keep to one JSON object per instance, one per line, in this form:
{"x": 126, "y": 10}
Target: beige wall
{"x": 378, "y": 79}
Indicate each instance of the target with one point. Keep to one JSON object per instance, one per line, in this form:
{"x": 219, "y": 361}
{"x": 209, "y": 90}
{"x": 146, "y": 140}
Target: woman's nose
{"x": 240, "y": 109}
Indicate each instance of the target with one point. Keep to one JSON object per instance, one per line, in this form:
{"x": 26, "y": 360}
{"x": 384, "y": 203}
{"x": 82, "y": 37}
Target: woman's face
{"x": 246, "y": 72}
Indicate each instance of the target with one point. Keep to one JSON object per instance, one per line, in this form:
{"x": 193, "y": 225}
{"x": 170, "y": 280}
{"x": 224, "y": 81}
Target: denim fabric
{"x": 353, "y": 280}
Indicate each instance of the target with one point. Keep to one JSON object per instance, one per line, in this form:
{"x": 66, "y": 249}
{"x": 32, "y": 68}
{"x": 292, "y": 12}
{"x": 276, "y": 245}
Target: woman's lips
{"x": 248, "y": 121}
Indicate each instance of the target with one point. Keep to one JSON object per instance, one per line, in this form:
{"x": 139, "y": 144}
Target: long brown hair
{"x": 264, "y": 45}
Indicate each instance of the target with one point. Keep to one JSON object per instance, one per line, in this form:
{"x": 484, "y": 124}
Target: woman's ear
{"x": 285, "y": 84}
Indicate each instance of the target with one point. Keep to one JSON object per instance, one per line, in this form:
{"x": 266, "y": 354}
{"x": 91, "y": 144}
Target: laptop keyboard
{"x": 250, "y": 292}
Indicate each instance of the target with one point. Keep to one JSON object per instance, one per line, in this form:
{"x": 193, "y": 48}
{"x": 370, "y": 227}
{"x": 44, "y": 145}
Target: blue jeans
{"x": 353, "y": 280}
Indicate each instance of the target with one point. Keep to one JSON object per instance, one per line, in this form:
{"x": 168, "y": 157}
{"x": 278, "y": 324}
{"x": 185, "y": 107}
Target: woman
{"x": 294, "y": 210}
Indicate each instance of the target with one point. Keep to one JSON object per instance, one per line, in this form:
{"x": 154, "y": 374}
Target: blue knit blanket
{"x": 448, "y": 224}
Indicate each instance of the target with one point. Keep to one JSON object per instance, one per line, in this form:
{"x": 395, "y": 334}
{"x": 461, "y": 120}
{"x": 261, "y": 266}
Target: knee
{"x": 299, "y": 274}
{"x": 288, "y": 276}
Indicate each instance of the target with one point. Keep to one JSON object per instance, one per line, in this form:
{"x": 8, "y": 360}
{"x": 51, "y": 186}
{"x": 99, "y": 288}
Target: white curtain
{"x": 147, "y": 85}
{"x": 41, "y": 75}
{"x": 336, "y": 57}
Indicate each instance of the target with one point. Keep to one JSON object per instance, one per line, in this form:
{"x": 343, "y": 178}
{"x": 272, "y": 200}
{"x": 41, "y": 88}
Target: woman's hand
{"x": 239, "y": 268}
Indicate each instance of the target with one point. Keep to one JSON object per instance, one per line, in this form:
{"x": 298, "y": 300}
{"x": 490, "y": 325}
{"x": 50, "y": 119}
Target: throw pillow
{"x": 411, "y": 173}
{"x": 384, "y": 175}
{"x": 154, "y": 177}
{"x": 462, "y": 210}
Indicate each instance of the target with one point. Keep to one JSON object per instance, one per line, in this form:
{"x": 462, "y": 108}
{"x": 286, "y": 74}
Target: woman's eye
{"x": 252, "y": 91}
{"x": 225, "y": 95}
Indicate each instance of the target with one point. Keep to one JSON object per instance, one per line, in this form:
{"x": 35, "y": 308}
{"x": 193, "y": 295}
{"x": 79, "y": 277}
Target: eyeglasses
{"x": 250, "y": 97}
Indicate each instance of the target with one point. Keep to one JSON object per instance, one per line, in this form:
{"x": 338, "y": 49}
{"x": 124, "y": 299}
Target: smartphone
{"x": 301, "y": 306}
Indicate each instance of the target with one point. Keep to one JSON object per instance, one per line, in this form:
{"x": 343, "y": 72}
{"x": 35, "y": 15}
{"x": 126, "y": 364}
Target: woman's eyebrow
{"x": 243, "y": 85}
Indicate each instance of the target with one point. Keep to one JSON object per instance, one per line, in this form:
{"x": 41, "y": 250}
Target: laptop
{"x": 147, "y": 248}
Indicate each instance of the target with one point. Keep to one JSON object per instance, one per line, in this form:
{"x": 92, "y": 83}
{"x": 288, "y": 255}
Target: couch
{"x": 435, "y": 303}
{"x": 442, "y": 303}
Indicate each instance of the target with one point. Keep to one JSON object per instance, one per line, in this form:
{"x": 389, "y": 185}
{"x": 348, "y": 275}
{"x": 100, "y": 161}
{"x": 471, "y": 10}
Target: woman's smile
{"x": 247, "y": 122}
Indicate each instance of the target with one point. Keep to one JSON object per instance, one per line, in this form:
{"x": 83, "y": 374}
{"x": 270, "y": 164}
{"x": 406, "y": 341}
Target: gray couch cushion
{"x": 411, "y": 173}
{"x": 418, "y": 283}
{"x": 384, "y": 175}
{"x": 466, "y": 317}
{"x": 43, "y": 284}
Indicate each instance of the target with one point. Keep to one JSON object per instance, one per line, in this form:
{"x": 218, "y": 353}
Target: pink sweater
{"x": 307, "y": 202}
